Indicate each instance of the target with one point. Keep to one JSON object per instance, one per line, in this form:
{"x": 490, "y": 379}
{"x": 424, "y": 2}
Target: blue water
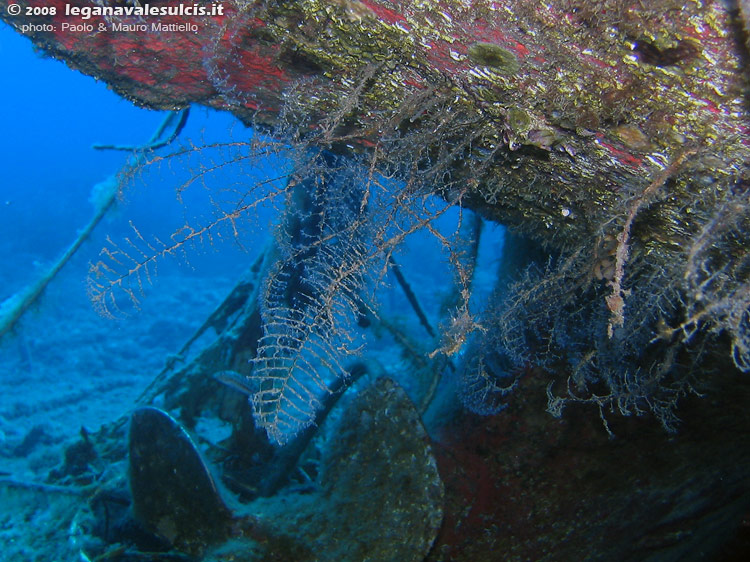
{"x": 52, "y": 117}
{"x": 64, "y": 369}
{"x": 66, "y": 372}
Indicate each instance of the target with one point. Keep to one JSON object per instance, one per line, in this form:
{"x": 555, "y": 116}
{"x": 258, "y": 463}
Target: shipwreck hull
{"x": 569, "y": 105}
{"x": 583, "y": 125}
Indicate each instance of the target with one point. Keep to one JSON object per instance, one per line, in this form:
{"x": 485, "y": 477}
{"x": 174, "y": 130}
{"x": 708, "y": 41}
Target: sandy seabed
{"x": 66, "y": 369}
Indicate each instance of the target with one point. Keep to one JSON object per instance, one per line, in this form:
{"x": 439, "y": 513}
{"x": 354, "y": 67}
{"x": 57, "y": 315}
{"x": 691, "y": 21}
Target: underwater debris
{"x": 36, "y": 522}
{"x": 546, "y": 117}
{"x": 521, "y": 488}
{"x": 103, "y": 197}
{"x": 174, "y": 494}
{"x": 575, "y": 81}
{"x": 377, "y": 449}
{"x": 572, "y": 66}
{"x": 382, "y": 450}
{"x": 380, "y": 496}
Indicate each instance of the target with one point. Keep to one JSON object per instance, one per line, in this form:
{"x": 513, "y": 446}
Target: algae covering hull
{"x": 558, "y": 110}
{"x": 612, "y": 131}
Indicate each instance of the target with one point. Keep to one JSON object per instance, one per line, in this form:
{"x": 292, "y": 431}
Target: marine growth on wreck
{"x": 494, "y": 300}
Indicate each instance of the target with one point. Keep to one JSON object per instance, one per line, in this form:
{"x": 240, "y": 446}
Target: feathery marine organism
{"x": 578, "y": 134}
{"x": 609, "y": 136}
{"x": 311, "y": 296}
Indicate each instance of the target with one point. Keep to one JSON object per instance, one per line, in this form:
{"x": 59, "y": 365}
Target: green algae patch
{"x": 493, "y": 56}
{"x": 518, "y": 120}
